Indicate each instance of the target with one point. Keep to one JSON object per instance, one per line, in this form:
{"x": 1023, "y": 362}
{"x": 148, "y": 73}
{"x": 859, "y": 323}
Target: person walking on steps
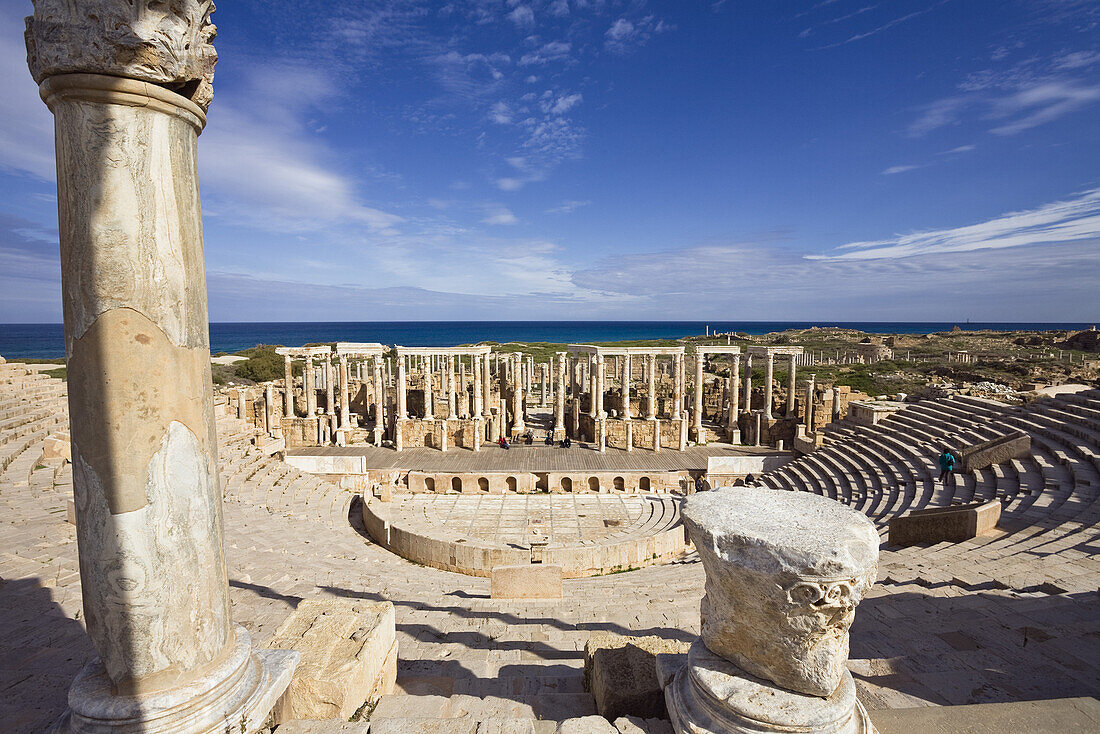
{"x": 947, "y": 467}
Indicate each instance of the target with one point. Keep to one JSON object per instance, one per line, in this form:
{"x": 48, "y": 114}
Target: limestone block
{"x": 70, "y": 512}
{"x": 634, "y": 725}
{"x": 621, "y": 674}
{"x": 939, "y": 524}
{"x": 995, "y": 451}
{"x": 586, "y": 725}
{"x": 785, "y": 571}
{"x": 349, "y": 656}
{"x": 532, "y": 581}
{"x": 57, "y": 446}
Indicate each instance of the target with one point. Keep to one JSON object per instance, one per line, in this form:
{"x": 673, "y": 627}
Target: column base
{"x": 734, "y": 435}
{"x": 237, "y": 695}
{"x": 711, "y": 695}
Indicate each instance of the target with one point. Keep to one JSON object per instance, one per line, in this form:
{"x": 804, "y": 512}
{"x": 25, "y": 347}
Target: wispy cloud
{"x": 626, "y": 34}
{"x": 1058, "y": 222}
{"x": 261, "y": 165}
{"x": 567, "y": 206}
{"x": 499, "y": 215}
{"x": 1040, "y": 104}
{"x": 881, "y": 27}
{"x": 902, "y": 169}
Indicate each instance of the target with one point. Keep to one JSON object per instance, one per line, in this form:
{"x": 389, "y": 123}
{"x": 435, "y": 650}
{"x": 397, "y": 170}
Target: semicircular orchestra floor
{"x": 588, "y": 534}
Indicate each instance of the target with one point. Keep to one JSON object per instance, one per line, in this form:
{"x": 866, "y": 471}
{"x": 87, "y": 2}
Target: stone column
{"x": 288, "y": 378}
{"x": 748, "y": 383}
{"x": 449, "y": 361}
{"x": 487, "y": 389}
{"x": 559, "y": 397}
{"x": 464, "y": 396}
{"x": 310, "y": 386}
{"x": 330, "y": 388}
{"x": 242, "y": 405}
{"x": 269, "y": 409}
{"x": 790, "y": 385}
{"x": 429, "y": 393}
{"x": 544, "y": 379}
{"x": 651, "y": 387}
{"x": 785, "y": 572}
{"x": 756, "y": 440}
{"x": 518, "y": 426}
{"x": 677, "y": 388}
{"x": 345, "y": 394}
{"x": 810, "y": 402}
{"x": 379, "y": 403}
{"x": 600, "y": 376}
{"x": 735, "y": 398}
{"x": 141, "y": 410}
{"x": 402, "y": 398}
{"x": 625, "y": 405}
{"x": 769, "y": 367}
{"x": 593, "y": 404}
{"x": 697, "y": 408}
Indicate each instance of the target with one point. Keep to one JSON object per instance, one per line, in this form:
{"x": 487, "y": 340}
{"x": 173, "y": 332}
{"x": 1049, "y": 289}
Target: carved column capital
{"x": 169, "y": 44}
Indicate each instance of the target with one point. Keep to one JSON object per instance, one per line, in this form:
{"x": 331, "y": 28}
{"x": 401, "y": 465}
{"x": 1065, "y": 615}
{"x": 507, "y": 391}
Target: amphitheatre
{"x": 717, "y": 533}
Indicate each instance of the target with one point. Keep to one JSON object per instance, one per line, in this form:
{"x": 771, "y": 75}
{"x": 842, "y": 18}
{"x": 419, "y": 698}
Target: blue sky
{"x": 769, "y": 160}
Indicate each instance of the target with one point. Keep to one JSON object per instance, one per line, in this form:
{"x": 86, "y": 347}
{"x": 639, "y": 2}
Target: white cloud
{"x": 1040, "y": 104}
{"x": 509, "y": 184}
{"x": 567, "y": 206}
{"x": 260, "y": 165}
{"x": 500, "y": 215}
{"x": 625, "y": 34}
{"x": 559, "y": 8}
{"x": 1077, "y": 60}
{"x": 522, "y": 16}
{"x": 565, "y": 103}
{"x": 1058, "y": 222}
{"x": 901, "y": 169}
{"x": 500, "y": 113}
{"x": 552, "y": 51}
{"x": 959, "y": 149}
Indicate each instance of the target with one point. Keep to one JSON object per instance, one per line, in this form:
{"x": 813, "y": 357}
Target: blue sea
{"x": 46, "y": 340}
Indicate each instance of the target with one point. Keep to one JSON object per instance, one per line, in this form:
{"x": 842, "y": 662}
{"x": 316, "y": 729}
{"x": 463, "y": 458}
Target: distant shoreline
{"x": 47, "y": 340}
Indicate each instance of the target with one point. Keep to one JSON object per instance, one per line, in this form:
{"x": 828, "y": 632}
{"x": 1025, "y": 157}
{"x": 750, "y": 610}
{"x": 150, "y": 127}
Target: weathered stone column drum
{"x": 148, "y": 501}
{"x": 785, "y": 571}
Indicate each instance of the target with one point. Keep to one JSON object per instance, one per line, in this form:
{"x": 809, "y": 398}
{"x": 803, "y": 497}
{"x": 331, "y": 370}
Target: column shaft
{"x": 790, "y": 385}
{"x": 769, "y": 367}
{"x": 288, "y": 379}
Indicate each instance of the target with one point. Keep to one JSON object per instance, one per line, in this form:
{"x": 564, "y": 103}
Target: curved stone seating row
{"x": 253, "y": 477}
{"x": 32, "y": 407}
{"x": 1050, "y": 499}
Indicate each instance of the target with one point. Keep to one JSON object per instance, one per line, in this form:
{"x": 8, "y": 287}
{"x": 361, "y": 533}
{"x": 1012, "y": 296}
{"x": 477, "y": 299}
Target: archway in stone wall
{"x": 542, "y": 482}
{"x": 643, "y": 484}
{"x": 456, "y": 484}
{"x": 593, "y": 484}
{"x": 483, "y": 484}
{"x": 429, "y": 484}
{"x": 619, "y": 484}
{"x": 566, "y": 484}
{"x": 511, "y": 483}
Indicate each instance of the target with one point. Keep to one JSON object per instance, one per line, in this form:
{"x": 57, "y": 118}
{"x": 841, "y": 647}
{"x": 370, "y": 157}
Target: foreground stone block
{"x": 785, "y": 571}
{"x": 331, "y": 726}
{"x": 349, "y": 656}
{"x": 621, "y": 674}
{"x": 534, "y": 581}
{"x": 586, "y": 725}
{"x": 57, "y": 446}
{"x": 950, "y": 524}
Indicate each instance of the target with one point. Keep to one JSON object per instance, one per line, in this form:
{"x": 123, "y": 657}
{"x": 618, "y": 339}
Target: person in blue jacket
{"x": 947, "y": 466}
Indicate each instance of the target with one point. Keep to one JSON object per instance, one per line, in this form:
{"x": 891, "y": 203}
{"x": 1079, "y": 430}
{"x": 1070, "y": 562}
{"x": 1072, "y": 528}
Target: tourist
{"x": 549, "y": 438}
{"x": 529, "y": 438}
{"x": 503, "y": 443}
{"x": 566, "y": 442}
{"x": 700, "y": 485}
{"x": 947, "y": 466}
